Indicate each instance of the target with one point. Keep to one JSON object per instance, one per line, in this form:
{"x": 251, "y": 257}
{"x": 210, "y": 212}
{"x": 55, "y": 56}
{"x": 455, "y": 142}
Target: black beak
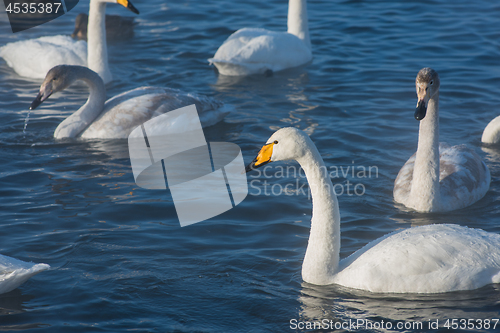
{"x": 38, "y": 100}
{"x": 421, "y": 110}
{"x": 252, "y": 165}
{"x": 131, "y": 7}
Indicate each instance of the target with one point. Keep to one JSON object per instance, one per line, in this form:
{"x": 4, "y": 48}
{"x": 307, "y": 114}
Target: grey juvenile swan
{"x": 118, "y": 116}
{"x": 438, "y": 178}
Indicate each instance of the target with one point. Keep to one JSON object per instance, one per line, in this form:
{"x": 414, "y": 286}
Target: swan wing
{"x": 35, "y": 57}
{"x": 128, "y": 110}
{"x": 14, "y": 272}
{"x": 425, "y": 259}
{"x": 464, "y": 177}
{"x": 254, "y": 51}
{"x": 402, "y": 184}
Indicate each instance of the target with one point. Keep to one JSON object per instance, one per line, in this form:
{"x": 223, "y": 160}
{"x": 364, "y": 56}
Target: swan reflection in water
{"x": 348, "y": 309}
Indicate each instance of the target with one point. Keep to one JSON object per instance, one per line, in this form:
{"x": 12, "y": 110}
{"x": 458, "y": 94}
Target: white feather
{"x": 35, "y": 57}
{"x": 14, "y": 272}
{"x": 255, "y": 51}
{"x": 491, "y": 133}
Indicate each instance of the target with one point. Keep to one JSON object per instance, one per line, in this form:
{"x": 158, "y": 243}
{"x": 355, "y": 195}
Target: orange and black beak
{"x": 262, "y": 158}
{"x": 127, "y": 4}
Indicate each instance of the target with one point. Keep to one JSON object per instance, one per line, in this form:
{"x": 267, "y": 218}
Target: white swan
{"x": 258, "y": 51}
{"x": 35, "y": 57}
{"x": 438, "y": 178}
{"x": 14, "y": 272}
{"x": 118, "y": 116}
{"x": 426, "y": 259}
{"x": 491, "y": 133}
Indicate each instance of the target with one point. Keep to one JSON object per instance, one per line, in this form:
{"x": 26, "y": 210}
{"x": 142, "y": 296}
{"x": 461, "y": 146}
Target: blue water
{"x": 121, "y": 262}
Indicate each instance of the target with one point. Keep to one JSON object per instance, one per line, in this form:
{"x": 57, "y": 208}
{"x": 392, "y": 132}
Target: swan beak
{"x": 262, "y": 158}
{"x": 127, "y": 4}
{"x": 42, "y": 96}
{"x": 422, "y": 99}
{"x": 421, "y": 109}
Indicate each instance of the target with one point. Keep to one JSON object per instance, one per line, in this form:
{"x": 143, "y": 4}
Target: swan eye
{"x": 432, "y": 82}
{"x": 54, "y": 79}
{"x": 275, "y": 142}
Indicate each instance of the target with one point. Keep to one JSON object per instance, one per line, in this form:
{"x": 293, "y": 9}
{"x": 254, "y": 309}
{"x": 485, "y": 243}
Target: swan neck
{"x": 426, "y": 170}
{"x": 322, "y": 255}
{"x": 76, "y": 124}
{"x": 297, "y": 20}
{"x": 97, "y": 51}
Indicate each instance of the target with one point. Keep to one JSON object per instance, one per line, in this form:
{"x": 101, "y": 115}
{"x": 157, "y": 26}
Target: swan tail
{"x": 11, "y": 279}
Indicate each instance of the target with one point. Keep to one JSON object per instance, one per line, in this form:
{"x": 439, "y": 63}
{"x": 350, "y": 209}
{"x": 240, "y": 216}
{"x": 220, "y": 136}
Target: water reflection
{"x": 492, "y": 151}
{"x": 261, "y": 91}
{"x": 12, "y": 302}
{"x": 341, "y": 305}
{"x": 114, "y": 149}
{"x": 291, "y": 77}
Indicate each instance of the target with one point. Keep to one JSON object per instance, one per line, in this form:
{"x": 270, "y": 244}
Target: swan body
{"x": 117, "y": 117}
{"x": 118, "y": 28}
{"x": 425, "y": 259}
{"x": 34, "y": 58}
{"x": 438, "y": 178}
{"x": 14, "y": 272}
{"x": 491, "y": 133}
{"x": 257, "y": 51}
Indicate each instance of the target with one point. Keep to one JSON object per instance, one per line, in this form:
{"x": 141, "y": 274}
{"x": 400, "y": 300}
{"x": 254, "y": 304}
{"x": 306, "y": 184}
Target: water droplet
{"x": 26, "y": 123}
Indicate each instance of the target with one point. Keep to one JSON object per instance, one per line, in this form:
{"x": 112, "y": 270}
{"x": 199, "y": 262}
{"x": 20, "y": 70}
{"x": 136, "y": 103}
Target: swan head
{"x": 288, "y": 143}
{"x": 127, "y": 4}
{"x": 58, "y": 78}
{"x": 427, "y": 85}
